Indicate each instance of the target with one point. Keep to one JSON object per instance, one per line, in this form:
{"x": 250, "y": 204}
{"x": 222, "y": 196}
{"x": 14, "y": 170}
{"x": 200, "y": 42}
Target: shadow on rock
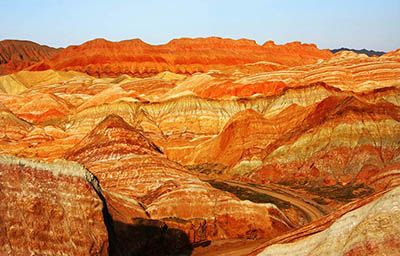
{"x": 149, "y": 237}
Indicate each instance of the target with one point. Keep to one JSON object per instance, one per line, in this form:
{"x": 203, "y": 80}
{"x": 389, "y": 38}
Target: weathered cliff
{"x": 49, "y": 208}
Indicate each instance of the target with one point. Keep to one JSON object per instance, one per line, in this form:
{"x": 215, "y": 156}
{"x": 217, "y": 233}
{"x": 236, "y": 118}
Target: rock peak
{"x": 113, "y": 121}
{"x": 110, "y": 138}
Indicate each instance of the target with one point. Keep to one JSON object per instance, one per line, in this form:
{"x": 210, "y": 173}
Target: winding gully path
{"x": 312, "y": 210}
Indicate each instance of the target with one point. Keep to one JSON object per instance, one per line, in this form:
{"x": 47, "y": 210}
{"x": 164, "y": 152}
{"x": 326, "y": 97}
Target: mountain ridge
{"x": 101, "y": 58}
{"x": 369, "y": 53}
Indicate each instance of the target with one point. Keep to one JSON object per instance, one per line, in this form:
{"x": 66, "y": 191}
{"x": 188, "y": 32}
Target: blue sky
{"x": 371, "y": 24}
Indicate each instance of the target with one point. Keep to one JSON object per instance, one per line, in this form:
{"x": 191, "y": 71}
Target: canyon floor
{"x": 203, "y": 146}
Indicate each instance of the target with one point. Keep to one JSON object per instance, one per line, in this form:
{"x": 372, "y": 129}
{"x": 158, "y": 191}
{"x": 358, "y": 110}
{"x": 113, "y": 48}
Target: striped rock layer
{"x": 296, "y": 136}
{"x": 307, "y": 124}
{"x": 140, "y": 182}
{"x": 366, "y": 227}
{"x": 49, "y": 209}
{"x": 16, "y": 55}
{"x": 103, "y": 58}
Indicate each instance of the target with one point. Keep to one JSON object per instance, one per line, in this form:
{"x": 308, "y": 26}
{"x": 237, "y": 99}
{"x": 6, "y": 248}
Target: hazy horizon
{"x": 371, "y": 25}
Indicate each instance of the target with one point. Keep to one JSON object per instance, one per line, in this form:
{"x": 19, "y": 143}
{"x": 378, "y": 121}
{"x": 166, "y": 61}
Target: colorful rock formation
{"x": 276, "y": 124}
{"x": 336, "y": 147}
{"x": 12, "y": 128}
{"x": 347, "y": 71}
{"x": 49, "y": 209}
{"x": 103, "y": 58}
{"x": 20, "y": 81}
{"x": 16, "y": 55}
{"x": 298, "y": 141}
{"x": 367, "y": 227}
{"x": 134, "y": 172}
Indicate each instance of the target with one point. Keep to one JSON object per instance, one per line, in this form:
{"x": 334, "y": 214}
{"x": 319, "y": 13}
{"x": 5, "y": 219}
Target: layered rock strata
{"x": 145, "y": 184}
{"x": 16, "y": 55}
{"x": 49, "y": 209}
{"x": 103, "y": 58}
{"x": 366, "y": 227}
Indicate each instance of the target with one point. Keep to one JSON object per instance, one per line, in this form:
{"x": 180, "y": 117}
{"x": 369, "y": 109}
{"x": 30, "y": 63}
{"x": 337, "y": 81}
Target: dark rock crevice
{"x": 144, "y": 236}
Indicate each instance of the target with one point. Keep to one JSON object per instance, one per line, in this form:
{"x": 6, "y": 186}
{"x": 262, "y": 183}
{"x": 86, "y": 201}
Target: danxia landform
{"x": 205, "y": 146}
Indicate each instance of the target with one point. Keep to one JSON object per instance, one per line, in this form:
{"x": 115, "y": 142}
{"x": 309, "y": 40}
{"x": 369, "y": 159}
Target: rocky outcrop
{"x": 366, "y": 227}
{"x": 134, "y": 171}
{"x": 49, "y": 209}
{"x": 103, "y": 58}
{"x": 16, "y": 55}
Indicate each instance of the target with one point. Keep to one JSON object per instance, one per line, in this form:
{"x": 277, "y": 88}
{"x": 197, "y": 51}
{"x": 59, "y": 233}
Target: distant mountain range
{"x": 100, "y": 57}
{"x": 103, "y": 58}
{"x": 363, "y": 51}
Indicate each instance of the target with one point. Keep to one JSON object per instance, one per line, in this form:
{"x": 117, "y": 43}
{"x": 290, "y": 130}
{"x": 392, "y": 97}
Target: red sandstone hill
{"x": 101, "y": 58}
{"x": 16, "y": 55}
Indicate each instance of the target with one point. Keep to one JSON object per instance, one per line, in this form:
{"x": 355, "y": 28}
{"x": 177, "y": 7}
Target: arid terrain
{"x": 205, "y": 146}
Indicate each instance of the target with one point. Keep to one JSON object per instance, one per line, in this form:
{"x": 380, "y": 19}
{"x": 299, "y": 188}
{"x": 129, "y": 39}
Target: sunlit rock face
{"x": 367, "y": 227}
{"x": 336, "y": 143}
{"x": 295, "y": 136}
{"x": 333, "y": 138}
{"x": 37, "y": 107}
{"x": 103, "y": 58}
{"x": 347, "y": 71}
{"x": 49, "y": 209}
{"x": 142, "y": 183}
{"x": 16, "y": 55}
